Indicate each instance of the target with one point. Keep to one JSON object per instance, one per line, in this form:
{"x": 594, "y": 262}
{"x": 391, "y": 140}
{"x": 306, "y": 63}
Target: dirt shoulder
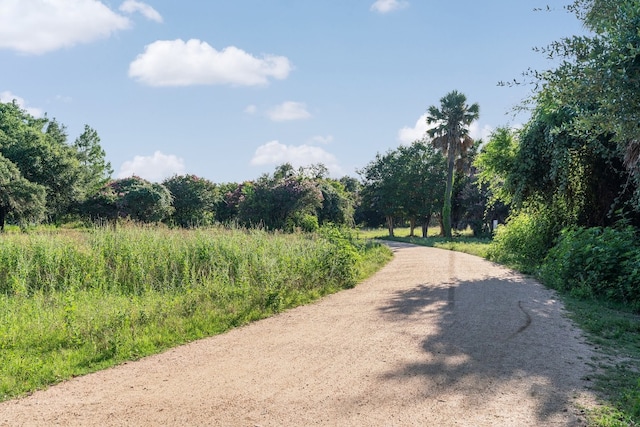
{"x": 435, "y": 338}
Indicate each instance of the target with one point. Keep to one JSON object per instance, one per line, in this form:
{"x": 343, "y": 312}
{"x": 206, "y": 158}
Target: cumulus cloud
{"x": 480, "y": 132}
{"x": 39, "y": 26}
{"x": 407, "y": 134}
{"x": 195, "y": 62}
{"x": 288, "y": 111}
{"x": 275, "y": 153}
{"x": 133, "y": 6}
{"x": 386, "y": 6}
{"x": 153, "y": 168}
{"x": 7, "y": 97}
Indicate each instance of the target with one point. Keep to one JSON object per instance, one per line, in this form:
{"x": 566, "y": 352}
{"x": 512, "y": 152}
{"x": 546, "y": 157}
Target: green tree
{"x": 95, "y": 170}
{"x": 381, "y": 187}
{"x": 134, "y": 198}
{"x": 337, "y": 203}
{"x": 194, "y": 200}
{"x": 421, "y": 176}
{"x": 451, "y": 135}
{"x": 405, "y": 182}
{"x": 598, "y": 78}
{"x": 496, "y": 162}
{"x": 38, "y": 148}
{"x": 20, "y": 199}
{"x": 42, "y": 157}
{"x": 280, "y": 202}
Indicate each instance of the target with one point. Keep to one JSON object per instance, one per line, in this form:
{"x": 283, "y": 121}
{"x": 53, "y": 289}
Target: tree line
{"x": 576, "y": 163}
{"x": 45, "y": 178}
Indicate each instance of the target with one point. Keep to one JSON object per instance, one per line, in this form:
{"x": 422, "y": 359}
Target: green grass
{"x": 460, "y": 242}
{"x": 615, "y": 332}
{"x": 78, "y": 301}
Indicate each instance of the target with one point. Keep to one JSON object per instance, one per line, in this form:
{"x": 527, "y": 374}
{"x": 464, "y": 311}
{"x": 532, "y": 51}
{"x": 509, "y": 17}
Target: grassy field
{"x": 73, "y": 302}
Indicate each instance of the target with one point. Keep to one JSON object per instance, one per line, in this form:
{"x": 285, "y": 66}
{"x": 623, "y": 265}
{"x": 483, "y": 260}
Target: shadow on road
{"x": 483, "y": 338}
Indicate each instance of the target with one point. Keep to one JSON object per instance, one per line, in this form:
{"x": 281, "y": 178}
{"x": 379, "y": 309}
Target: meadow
{"x": 73, "y": 302}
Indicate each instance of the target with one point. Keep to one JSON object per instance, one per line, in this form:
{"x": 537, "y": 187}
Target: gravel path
{"x": 436, "y": 338}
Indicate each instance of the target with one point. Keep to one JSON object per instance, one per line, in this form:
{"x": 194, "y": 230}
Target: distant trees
{"x": 194, "y": 200}
{"x": 291, "y": 199}
{"x": 43, "y": 177}
{"x": 406, "y": 182}
{"x": 134, "y": 198}
{"x": 95, "y": 170}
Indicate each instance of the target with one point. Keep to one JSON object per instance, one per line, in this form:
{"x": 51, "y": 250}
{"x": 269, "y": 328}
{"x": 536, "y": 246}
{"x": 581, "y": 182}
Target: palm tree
{"x": 451, "y": 136}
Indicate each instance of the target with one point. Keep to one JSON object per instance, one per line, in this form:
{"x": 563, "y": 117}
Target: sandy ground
{"x": 436, "y": 338}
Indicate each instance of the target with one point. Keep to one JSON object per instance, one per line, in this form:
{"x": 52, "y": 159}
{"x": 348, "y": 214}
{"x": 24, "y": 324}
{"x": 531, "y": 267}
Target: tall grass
{"x": 74, "y": 302}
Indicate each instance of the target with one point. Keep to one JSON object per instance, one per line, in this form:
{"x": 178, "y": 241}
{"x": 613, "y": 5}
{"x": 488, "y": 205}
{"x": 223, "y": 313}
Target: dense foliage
{"x": 405, "y": 182}
{"x": 596, "y": 263}
{"x": 41, "y": 158}
{"x": 288, "y": 199}
{"x": 571, "y": 174}
{"x": 194, "y": 200}
{"x": 133, "y": 198}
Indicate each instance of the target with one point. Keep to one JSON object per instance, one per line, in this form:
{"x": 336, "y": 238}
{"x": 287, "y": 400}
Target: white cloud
{"x": 407, "y": 135}
{"x": 386, "y": 6}
{"x": 194, "y": 62}
{"x": 288, "y": 111}
{"x": 251, "y": 109}
{"x": 153, "y": 168}
{"x": 476, "y": 132}
{"x": 39, "y": 26}
{"x": 275, "y": 153}
{"x": 7, "y": 97}
{"x": 132, "y": 6}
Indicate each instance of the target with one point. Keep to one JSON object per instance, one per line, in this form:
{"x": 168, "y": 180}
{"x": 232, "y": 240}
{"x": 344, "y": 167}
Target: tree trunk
{"x": 412, "y": 226}
{"x": 390, "y": 225}
{"x": 3, "y": 214}
{"x": 446, "y": 208}
{"x": 425, "y": 226}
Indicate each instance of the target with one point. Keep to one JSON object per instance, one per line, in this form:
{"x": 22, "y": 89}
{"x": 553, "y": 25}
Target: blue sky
{"x": 228, "y": 89}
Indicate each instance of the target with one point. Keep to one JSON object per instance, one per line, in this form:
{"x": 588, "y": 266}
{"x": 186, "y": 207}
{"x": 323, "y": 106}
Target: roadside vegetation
{"x": 78, "y": 301}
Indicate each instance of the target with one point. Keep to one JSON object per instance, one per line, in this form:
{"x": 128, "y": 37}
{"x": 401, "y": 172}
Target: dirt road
{"x": 436, "y": 338}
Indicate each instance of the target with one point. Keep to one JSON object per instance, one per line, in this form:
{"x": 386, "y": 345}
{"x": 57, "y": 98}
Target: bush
{"x": 525, "y": 240}
{"x": 596, "y": 263}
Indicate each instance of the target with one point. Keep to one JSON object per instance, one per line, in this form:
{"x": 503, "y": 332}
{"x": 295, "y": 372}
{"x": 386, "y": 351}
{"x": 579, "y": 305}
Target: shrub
{"x": 596, "y": 263}
{"x": 525, "y": 240}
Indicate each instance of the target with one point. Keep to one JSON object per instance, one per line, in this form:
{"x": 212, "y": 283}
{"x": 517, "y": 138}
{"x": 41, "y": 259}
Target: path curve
{"x": 436, "y": 338}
